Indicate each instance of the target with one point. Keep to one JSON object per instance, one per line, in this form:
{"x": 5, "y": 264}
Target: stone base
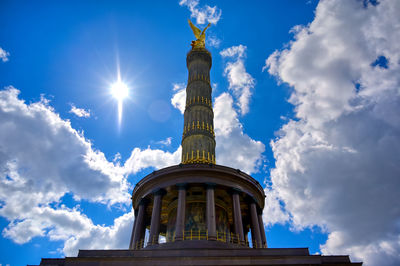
{"x": 178, "y": 254}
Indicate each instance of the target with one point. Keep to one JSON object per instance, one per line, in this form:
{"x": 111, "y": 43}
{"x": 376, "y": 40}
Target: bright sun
{"x": 119, "y": 90}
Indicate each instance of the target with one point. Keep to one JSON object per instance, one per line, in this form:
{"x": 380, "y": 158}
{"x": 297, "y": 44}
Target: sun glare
{"x": 119, "y": 90}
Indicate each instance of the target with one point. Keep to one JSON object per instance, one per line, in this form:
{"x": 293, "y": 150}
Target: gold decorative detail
{"x": 198, "y": 160}
{"x": 197, "y": 234}
{"x": 200, "y": 35}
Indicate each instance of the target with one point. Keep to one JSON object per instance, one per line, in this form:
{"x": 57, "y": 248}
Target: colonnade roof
{"x": 199, "y": 173}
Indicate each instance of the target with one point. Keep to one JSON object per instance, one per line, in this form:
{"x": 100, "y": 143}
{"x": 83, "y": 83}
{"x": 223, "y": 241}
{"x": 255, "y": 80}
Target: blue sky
{"x": 306, "y": 100}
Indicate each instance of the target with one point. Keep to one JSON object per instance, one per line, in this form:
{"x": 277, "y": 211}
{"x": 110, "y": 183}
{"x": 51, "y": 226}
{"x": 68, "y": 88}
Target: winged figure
{"x": 200, "y": 35}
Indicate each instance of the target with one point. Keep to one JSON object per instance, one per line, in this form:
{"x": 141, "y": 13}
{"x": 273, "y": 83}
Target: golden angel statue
{"x": 200, "y": 35}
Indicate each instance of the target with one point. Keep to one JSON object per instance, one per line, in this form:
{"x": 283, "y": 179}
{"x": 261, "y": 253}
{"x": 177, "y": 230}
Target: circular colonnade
{"x": 198, "y": 202}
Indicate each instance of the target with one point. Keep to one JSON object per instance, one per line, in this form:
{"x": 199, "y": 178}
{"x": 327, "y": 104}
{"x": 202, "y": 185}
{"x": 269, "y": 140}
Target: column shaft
{"x": 262, "y": 231}
{"x": 237, "y": 216}
{"x": 132, "y": 242}
{"x": 180, "y": 213}
{"x": 138, "y": 229}
{"x": 155, "y": 219}
{"x": 255, "y": 228}
{"x": 211, "y": 226}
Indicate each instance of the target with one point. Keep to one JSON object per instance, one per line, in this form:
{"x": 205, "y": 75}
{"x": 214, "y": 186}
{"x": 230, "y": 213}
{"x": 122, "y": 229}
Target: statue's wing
{"x": 202, "y": 33}
{"x": 195, "y": 30}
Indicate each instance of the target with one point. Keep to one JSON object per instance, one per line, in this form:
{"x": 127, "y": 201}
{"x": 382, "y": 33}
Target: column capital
{"x": 143, "y": 201}
{"x": 250, "y": 199}
{"x": 210, "y": 185}
{"x": 234, "y": 190}
{"x": 181, "y": 185}
{"x": 159, "y": 191}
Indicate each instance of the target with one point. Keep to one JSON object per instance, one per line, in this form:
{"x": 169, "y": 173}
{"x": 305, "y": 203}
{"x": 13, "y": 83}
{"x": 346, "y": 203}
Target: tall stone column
{"x": 180, "y": 212}
{"x": 139, "y": 226}
{"x": 211, "y": 226}
{"x": 237, "y": 215}
{"x": 262, "y": 231}
{"x": 132, "y": 242}
{"x": 155, "y": 217}
{"x": 198, "y": 138}
{"x": 255, "y": 227}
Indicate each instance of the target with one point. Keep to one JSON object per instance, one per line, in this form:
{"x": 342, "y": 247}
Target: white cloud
{"x": 165, "y": 142}
{"x": 178, "y": 100}
{"x": 73, "y": 227}
{"x": 234, "y": 51}
{"x": 337, "y": 163}
{"x": 36, "y": 145}
{"x": 204, "y": 14}
{"x": 213, "y": 41}
{"x": 273, "y": 211}
{"x": 58, "y": 224}
{"x": 41, "y": 159}
{"x": 79, "y": 112}
{"x": 141, "y": 159}
{"x": 234, "y": 148}
{"x": 240, "y": 82}
{"x": 116, "y": 236}
{"x": 4, "y": 55}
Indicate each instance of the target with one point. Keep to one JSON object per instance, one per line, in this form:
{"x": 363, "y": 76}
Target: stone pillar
{"x": 132, "y": 244}
{"x": 180, "y": 212}
{"x": 155, "y": 217}
{"x": 255, "y": 228}
{"x": 237, "y": 215}
{"x": 262, "y": 231}
{"x": 211, "y": 226}
{"x": 198, "y": 138}
{"x": 139, "y": 226}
